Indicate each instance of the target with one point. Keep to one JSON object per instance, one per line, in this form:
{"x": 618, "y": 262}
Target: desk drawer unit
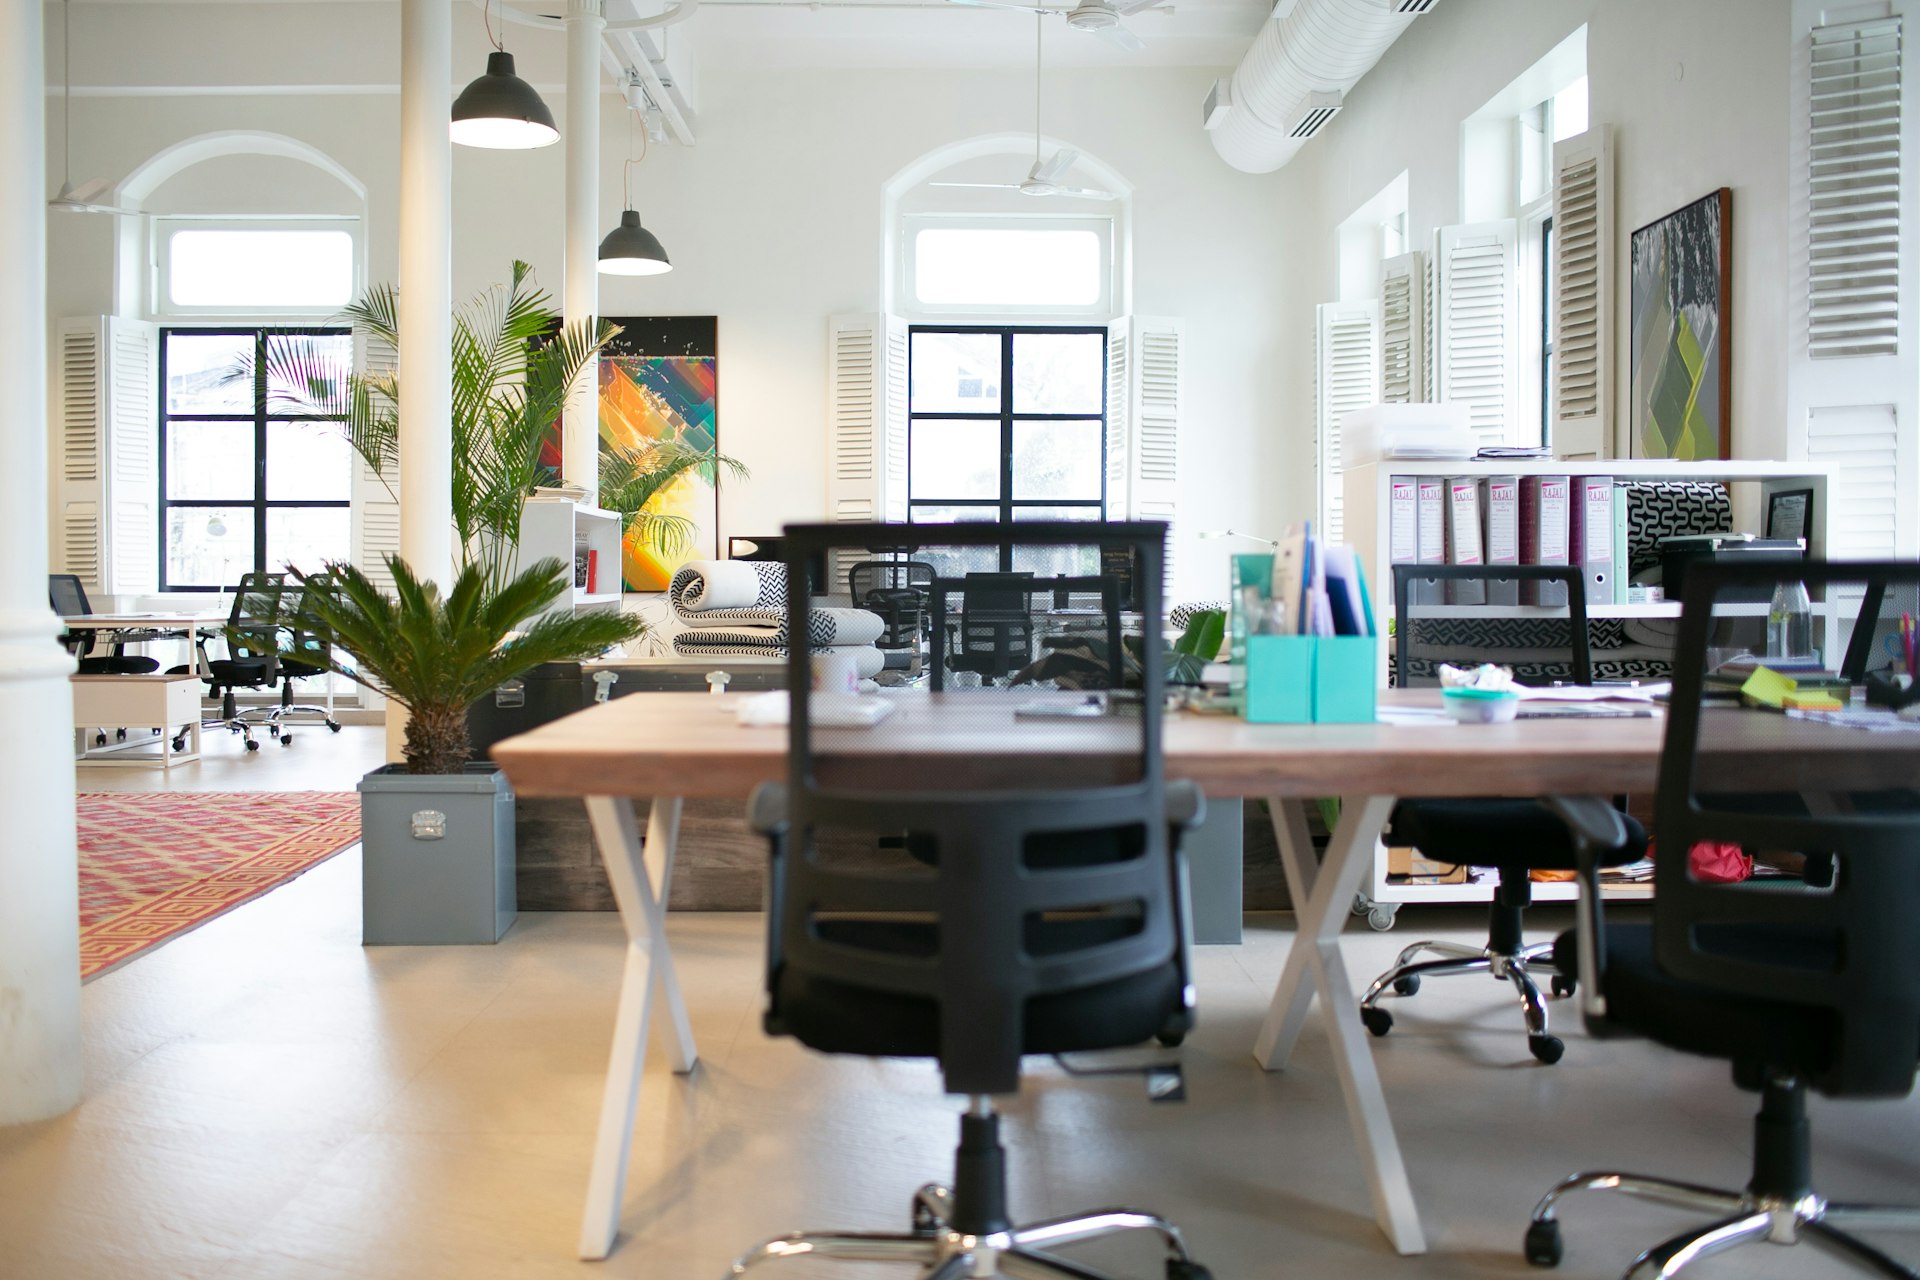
{"x": 138, "y": 704}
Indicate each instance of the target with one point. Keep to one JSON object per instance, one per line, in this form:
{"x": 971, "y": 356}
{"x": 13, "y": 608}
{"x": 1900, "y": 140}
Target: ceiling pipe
{"x": 1307, "y": 47}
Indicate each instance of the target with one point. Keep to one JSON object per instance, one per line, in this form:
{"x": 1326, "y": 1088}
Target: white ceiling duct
{"x": 1307, "y": 48}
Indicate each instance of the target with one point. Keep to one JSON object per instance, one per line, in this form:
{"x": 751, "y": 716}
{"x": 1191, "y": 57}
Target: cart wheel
{"x": 1361, "y": 904}
{"x": 1381, "y": 917}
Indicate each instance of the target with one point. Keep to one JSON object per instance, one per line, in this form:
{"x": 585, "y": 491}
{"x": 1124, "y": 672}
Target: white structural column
{"x": 580, "y": 429}
{"x": 39, "y": 877}
{"x": 426, "y": 288}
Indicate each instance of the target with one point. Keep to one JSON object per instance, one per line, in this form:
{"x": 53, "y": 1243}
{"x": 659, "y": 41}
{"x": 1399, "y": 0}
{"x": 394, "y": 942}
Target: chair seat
{"x": 836, "y": 1017}
{"x": 239, "y": 671}
{"x": 1714, "y": 1023}
{"x": 1512, "y": 834}
{"x": 128, "y": 665}
{"x": 294, "y": 669}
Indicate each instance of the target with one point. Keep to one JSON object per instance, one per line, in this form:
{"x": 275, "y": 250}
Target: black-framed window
{"x": 1007, "y": 422}
{"x": 244, "y": 488}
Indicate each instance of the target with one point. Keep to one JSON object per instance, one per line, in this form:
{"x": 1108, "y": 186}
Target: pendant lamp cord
{"x": 66, "y": 92}
{"x": 1039, "y": 25}
{"x": 486, "y": 16}
{"x": 632, "y": 159}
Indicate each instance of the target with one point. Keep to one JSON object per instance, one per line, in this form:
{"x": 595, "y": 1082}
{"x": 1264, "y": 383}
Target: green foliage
{"x": 630, "y": 479}
{"x": 1198, "y": 645}
{"x": 434, "y": 654}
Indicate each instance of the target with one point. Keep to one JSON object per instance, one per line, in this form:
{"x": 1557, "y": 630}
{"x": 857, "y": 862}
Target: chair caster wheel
{"x": 286, "y": 739}
{"x": 1546, "y": 1048}
{"x": 252, "y": 745}
{"x": 333, "y": 726}
{"x": 1376, "y": 1020}
{"x": 1564, "y": 986}
{"x": 120, "y": 735}
{"x": 99, "y": 739}
{"x": 1170, "y": 1039}
{"x": 1543, "y": 1246}
{"x": 179, "y": 744}
{"x": 1407, "y": 986}
{"x": 1186, "y": 1269}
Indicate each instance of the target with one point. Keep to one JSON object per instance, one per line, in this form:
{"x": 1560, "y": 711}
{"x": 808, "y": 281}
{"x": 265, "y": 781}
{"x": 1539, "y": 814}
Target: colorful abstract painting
{"x": 1682, "y": 350}
{"x": 659, "y": 381}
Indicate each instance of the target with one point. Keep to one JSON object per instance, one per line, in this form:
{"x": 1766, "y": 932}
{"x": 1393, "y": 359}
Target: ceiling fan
{"x": 1102, "y": 17}
{"x": 87, "y": 197}
{"x": 1044, "y": 178}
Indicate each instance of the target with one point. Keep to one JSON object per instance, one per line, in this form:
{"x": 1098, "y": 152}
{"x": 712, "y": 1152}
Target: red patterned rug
{"x": 153, "y": 866}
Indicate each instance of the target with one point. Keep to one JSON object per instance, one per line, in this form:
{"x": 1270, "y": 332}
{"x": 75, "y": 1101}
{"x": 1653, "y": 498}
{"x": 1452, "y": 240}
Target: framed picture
{"x": 1682, "y": 344}
{"x": 659, "y": 380}
{"x": 1790, "y": 513}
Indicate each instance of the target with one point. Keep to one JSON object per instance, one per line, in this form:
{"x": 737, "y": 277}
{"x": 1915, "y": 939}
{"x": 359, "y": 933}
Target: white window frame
{"x": 163, "y": 227}
{"x": 1533, "y": 318}
{"x": 1100, "y": 309}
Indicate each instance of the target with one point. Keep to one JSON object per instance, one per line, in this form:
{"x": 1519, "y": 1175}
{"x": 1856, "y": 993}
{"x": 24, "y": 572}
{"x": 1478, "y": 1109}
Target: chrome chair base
{"x": 1741, "y": 1218}
{"x": 943, "y": 1253}
{"x": 1515, "y": 967}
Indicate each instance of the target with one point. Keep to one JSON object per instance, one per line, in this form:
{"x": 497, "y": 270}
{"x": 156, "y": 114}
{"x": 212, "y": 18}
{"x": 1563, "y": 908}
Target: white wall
{"x": 1697, "y": 92}
{"x": 773, "y": 221}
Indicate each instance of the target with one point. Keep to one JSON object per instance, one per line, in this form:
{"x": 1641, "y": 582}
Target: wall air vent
{"x": 1313, "y": 114}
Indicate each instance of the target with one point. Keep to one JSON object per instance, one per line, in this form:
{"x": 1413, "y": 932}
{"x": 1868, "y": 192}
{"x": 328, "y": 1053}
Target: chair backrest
{"x": 1540, "y": 649}
{"x": 1851, "y": 948}
{"x": 1006, "y": 818}
{"x": 897, "y": 590}
{"x": 254, "y": 621}
{"x": 995, "y": 637}
{"x": 69, "y": 600}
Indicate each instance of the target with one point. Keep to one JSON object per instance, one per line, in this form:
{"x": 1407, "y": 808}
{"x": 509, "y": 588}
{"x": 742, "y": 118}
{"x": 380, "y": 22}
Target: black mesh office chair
{"x": 995, "y": 636}
{"x": 252, "y": 662}
{"x": 305, "y": 652}
{"x": 69, "y": 600}
{"x": 898, "y": 591}
{"x": 1795, "y": 985}
{"x": 1514, "y": 836}
{"x": 1038, "y": 907}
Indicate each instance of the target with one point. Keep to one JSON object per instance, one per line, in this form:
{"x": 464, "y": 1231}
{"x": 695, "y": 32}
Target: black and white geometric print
{"x": 1659, "y": 509}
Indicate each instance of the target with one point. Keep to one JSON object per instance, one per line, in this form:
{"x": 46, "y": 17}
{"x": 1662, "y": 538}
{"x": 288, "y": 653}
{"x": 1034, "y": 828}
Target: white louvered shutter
{"x": 1346, "y": 377}
{"x": 1430, "y": 313}
{"x": 107, "y": 495}
{"x": 866, "y": 423}
{"x": 1153, "y": 432}
{"x": 1581, "y": 305}
{"x": 1478, "y": 316}
{"x": 1872, "y": 467}
{"x": 1403, "y": 329}
{"x": 1119, "y": 417}
{"x": 376, "y": 506}
{"x": 1853, "y": 213}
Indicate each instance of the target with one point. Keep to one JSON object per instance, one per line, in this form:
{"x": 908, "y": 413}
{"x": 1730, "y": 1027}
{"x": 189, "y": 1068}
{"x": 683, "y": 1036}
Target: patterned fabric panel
{"x": 1659, "y": 509}
{"x": 1183, "y": 613}
{"x": 867, "y": 660}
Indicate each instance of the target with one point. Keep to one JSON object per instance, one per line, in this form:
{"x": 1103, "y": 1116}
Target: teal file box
{"x": 1311, "y": 679}
{"x": 1344, "y": 671}
{"x": 1280, "y": 679}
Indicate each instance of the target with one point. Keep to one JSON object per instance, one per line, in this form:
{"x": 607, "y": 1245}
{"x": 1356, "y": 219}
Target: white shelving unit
{"x": 553, "y": 524}
{"x": 1366, "y": 515}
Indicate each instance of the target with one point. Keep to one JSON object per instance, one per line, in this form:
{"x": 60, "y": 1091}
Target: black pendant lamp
{"x": 630, "y": 249}
{"x": 500, "y": 110}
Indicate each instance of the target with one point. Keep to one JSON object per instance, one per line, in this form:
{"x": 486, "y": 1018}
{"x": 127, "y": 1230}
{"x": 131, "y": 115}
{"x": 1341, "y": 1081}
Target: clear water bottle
{"x": 1790, "y": 622}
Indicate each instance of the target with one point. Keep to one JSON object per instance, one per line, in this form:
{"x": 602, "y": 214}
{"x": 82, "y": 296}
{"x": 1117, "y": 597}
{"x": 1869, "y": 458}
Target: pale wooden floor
{"x": 266, "y": 1098}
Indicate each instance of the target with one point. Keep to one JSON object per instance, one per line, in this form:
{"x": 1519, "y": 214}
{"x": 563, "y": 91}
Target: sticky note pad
{"x": 1766, "y": 687}
{"x": 1812, "y": 702}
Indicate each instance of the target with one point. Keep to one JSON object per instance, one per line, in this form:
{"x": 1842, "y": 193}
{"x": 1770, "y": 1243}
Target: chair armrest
{"x": 1186, "y": 806}
{"x": 1596, "y": 827}
{"x": 767, "y": 809}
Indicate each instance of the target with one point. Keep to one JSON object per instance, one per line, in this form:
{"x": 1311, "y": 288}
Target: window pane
{"x": 208, "y": 546}
{"x": 955, "y": 373}
{"x": 1056, "y": 513}
{"x": 957, "y": 562}
{"x": 210, "y": 460}
{"x": 1056, "y": 459}
{"x": 1048, "y": 562}
{"x": 259, "y": 268}
{"x": 954, "y": 459}
{"x": 308, "y": 462}
{"x": 209, "y": 373}
{"x": 329, "y": 356}
{"x": 1059, "y": 372}
{"x": 305, "y": 537}
{"x": 1019, "y": 267}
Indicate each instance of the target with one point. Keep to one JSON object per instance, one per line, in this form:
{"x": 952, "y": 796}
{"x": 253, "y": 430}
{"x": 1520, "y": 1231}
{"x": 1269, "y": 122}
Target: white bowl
{"x": 1471, "y": 706}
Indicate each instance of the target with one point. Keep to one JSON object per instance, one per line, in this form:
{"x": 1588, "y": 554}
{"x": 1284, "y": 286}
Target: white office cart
{"x": 1367, "y": 520}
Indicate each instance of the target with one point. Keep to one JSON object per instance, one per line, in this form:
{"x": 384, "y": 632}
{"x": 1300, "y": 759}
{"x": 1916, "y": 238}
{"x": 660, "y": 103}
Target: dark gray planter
{"x": 438, "y": 856}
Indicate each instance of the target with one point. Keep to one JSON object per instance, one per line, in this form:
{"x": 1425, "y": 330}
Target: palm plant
{"x": 435, "y": 655}
{"x": 513, "y": 370}
{"x": 632, "y": 477}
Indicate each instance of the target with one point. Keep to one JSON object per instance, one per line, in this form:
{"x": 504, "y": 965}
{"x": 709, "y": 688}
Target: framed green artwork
{"x": 1682, "y": 344}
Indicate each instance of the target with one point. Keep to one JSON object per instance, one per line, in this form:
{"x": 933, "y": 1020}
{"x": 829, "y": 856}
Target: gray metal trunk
{"x": 438, "y": 856}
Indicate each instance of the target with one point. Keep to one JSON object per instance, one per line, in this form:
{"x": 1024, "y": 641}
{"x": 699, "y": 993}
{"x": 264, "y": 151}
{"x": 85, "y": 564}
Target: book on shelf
{"x": 1430, "y": 537}
{"x": 1500, "y": 514}
{"x": 1543, "y": 534}
{"x": 1590, "y": 540}
{"x": 1463, "y": 538}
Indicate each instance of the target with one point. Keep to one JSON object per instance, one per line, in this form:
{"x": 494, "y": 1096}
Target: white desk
{"x": 183, "y": 625}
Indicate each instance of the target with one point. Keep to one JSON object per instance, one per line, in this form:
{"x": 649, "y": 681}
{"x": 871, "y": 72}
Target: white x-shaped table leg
{"x": 1326, "y": 892}
{"x": 641, "y": 892}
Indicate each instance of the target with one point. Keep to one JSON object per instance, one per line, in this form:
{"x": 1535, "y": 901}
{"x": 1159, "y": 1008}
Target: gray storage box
{"x": 438, "y": 856}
